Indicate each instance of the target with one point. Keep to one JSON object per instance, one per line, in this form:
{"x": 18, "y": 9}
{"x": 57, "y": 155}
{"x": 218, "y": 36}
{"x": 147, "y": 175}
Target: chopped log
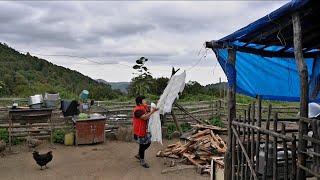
{"x": 189, "y": 157}
{"x": 173, "y": 156}
{"x": 201, "y": 147}
{"x": 214, "y": 128}
{"x": 171, "y": 145}
{"x": 160, "y": 154}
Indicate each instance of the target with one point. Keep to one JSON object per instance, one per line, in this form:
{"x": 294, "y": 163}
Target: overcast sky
{"x": 115, "y": 34}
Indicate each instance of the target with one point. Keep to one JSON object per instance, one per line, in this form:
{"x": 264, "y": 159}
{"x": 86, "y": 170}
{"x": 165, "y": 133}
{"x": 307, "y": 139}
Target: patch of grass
{"x": 171, "y": 128}
{"x": 185, "y": 127}
{"x": 216, "y": 122}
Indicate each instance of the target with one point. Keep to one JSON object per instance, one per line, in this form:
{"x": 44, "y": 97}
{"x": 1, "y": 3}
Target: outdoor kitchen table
{"x": 90, "y": 131}
{"x": 29, "y": 116}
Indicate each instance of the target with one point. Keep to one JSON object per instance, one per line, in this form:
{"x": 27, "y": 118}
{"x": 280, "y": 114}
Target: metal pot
{"x": 36, "y": 99}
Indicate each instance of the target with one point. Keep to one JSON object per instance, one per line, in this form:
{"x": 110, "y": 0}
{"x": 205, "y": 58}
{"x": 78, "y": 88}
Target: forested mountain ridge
{"x": 23, "y": 75}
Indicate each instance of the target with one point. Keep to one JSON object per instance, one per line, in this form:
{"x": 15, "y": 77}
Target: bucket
{"x": 69, "y": 139}
{"x": 84, "y": 94}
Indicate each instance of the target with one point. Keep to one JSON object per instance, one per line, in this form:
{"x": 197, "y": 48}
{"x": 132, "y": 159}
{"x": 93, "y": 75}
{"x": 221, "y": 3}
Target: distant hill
{"x": 24, "y": 75}
{"x": 122, "y": 86}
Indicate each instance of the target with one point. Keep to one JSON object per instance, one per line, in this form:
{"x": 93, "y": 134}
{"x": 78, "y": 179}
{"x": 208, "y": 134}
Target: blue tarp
{"x": 270, "y": 77}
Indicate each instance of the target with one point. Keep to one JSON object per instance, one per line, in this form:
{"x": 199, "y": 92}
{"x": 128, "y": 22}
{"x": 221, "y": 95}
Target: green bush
{"x": 170, "y": 129}
{"x": 216, "y": 122}
{"x": 58, "y": 136}
{"x": 4, "y": 135}
{"x": 185, "y": 127}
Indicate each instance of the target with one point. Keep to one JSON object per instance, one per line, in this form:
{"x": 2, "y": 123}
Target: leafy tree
{"x": 142, "y": 83}
{"x": 159, "y": 85}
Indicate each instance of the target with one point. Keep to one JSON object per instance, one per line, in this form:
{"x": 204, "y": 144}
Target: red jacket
{"x": 140, "y": 125}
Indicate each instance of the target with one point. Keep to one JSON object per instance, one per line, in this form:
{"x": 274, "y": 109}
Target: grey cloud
{"x": 168, "y": 33}
{"x": 122, "y": 29}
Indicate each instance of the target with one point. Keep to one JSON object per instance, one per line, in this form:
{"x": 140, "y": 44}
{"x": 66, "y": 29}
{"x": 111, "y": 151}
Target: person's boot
{"x": 144, "y": 164}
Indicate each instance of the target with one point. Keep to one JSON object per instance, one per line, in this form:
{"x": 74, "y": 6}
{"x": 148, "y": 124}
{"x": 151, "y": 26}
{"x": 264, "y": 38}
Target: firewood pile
{"x": 199, "y": 149}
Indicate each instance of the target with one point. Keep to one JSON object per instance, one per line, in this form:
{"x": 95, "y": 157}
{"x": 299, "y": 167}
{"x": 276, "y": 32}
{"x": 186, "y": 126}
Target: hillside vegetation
{"x": 23, "y": 75}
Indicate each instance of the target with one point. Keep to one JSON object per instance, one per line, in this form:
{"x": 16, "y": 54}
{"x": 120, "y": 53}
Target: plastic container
{"x": 84, "y": 95}
{"x": 69, "y": 139}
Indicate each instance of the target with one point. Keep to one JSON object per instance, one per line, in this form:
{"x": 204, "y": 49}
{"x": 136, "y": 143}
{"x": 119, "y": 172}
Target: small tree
{"x": 141, "y": 84}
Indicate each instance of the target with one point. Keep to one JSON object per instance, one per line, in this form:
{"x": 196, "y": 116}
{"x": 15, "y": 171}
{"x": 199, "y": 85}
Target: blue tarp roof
{"x": 265, "y": 63}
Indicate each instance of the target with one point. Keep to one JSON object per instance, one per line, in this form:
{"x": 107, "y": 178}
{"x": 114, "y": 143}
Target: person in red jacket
{"x": 141, "y": 115}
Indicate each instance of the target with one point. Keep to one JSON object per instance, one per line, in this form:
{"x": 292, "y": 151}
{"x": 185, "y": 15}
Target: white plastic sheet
{"x": 175, "y": 85}
{"x": 154, "y": 126}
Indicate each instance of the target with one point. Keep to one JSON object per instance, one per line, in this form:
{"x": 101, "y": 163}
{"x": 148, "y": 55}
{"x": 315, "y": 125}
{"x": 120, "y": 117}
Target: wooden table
{"x": 90, "y": 131}
{"x": 29, "y": 116}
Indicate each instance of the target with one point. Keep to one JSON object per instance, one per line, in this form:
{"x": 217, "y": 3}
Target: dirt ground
{"x": 111, "y": 160}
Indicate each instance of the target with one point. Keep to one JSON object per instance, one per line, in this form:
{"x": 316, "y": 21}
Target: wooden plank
{"x": 267, "y": 144}
{"x": 294, "y": 157}
{"x": 316, "y": 174}
{"x": 248, "y": 139}
{"x": 212, "y": 127}
{"x": 231, "y": 113}
{"x": 185, "y": 111}
{"x": 286, "y": 164}
{"x": 191, "y": 160}
{"x": 245, "y": 154}
{"x": 239, "y": 158}
{"x": 252, "y": 142}
{"x": 304, "y": 90}
{"x": 275, "y": 150}
{"x": 258, "y": 133}
{"x": 265, "y": 131}
{"x": 176, "y": 122}
{"x": 233, "y": 157}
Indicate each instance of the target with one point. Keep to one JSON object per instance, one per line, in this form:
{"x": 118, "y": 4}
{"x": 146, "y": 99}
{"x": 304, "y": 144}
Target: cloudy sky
{"x": 110, "y": 36}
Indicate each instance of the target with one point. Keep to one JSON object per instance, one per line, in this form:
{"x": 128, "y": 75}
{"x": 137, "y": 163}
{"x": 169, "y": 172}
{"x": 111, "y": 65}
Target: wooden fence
{"x": 118, "y": 114}
{"x": 265, "y": 146}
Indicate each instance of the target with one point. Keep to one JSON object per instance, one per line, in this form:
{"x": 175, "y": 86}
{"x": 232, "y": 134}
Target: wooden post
{"x": 248, "y": 138}
{"x": 220, "y": 87}
{"x": 304, "y": 92}
{"x": 231, "y": 112}
{"x": 258, "y": 134}
{"x": 285, "y": 149}
{"x": 275, "y": 148}
{"x": 239, "y": 155}
{"x": 252, "y": 147}
{"x": 176, "y": 122}
{"x": 10, "y": 132}
{"x": 294, "y": 155}
{"x": 266, "y": 150}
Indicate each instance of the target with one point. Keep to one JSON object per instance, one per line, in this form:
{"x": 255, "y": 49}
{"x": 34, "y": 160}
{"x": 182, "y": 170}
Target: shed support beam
{"x": 231, "y": 74}
{"x": 304, "y": 92}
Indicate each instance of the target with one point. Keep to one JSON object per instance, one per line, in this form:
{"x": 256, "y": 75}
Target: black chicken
{"x": 42, "y": 159}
